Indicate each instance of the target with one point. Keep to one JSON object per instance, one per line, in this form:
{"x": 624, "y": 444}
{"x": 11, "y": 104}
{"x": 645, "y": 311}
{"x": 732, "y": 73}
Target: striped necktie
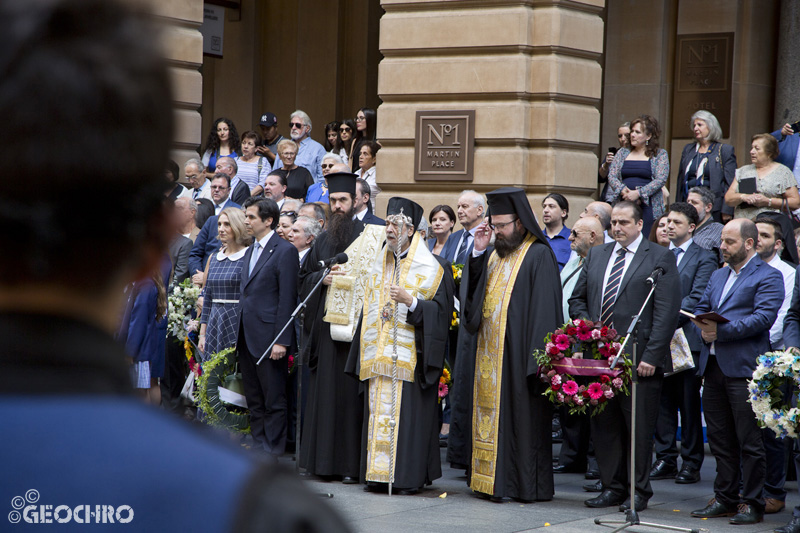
{"x": 610, "y": 293}
{"x": 461, "y": 256}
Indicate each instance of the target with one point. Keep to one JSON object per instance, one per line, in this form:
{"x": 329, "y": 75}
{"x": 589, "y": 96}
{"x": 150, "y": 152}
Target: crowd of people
{"x": 727, "y": 224}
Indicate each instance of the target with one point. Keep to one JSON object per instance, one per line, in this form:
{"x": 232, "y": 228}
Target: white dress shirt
{"x": 632, "y": 248}
{"x": 684, "y": 247}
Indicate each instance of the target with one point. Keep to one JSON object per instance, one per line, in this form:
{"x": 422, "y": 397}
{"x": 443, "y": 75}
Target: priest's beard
{"x": 340, "y": 230}
{"x": 505, "y": 245}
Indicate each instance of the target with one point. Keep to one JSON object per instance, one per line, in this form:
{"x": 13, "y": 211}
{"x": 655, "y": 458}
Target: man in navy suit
{"x": 362, "y": 204}
{"x": 682, "y": 391}
{"x": 470, "y": 210}
{"x": 206, "y": 242}
{"x": 748, "y": 293}
{"x": 612, "y": 288}
{"x": 268, "y": 297}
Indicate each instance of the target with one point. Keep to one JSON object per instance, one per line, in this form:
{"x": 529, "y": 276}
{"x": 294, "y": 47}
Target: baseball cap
{"x": 268, "y": 119}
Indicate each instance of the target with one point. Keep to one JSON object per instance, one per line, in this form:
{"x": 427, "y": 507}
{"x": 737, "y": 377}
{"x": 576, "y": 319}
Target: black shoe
{"x": 592, "y": 474}
{"x": 714, "y": 510}
{"x": 565, "y": 469}
{"x": 606, "y": 499}
{"x": 558, "y": 436}
{"x": 792, "y": 527}
{"x": 686, "y": 476}
{"x": 499, "y": 499}
{"x": 443, "y": 440}
{"x": 594, "y": 487}
{"x": 349, "y": 480}
{"x": 661, "y": 470}
{"x": 640, "y": 502}
{"x": 372, "y": 486}
{"x": 747, "y": 515}
{"x": 405, "y": 492}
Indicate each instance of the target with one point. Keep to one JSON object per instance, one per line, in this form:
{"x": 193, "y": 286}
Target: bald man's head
{"x": 587, "y": 232}
{"x": 599, "y": 210}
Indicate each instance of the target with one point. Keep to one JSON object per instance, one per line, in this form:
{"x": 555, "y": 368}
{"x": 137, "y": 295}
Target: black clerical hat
{"x": 513, "y": 201}
{"x": 341, "y": 182}
{"x": 408, "y": 208}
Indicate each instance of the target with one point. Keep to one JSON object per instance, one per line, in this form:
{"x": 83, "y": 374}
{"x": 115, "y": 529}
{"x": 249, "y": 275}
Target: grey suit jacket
{"x": 660, "y": 317}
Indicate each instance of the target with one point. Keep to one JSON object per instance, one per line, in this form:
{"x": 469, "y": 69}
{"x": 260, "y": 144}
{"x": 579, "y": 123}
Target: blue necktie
{"x": 254, "y": 257}
{"x": 461, "y": 256}
{"x": 610, "y": 294}
{"x": 677, "y": 251}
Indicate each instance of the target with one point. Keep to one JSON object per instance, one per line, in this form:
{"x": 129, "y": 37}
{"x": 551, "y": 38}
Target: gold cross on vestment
{"x": 490, "y": 304}
{"x": 417, "y": 287}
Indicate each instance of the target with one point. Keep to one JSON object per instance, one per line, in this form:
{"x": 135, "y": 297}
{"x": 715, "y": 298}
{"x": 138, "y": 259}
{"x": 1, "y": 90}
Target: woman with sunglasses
{"x": 319, "y": 191}
{"x": 346, "y": 136}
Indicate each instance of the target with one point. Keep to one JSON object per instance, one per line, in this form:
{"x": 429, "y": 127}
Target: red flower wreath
{"x": 575, "y": 364}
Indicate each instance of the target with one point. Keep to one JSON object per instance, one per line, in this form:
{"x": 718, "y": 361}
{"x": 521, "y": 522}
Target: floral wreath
{"x": 220, "y": 367}
{"x": 576, "y": 380}
{"x": 769, "y": 405}
{"x": 181, "y": 303}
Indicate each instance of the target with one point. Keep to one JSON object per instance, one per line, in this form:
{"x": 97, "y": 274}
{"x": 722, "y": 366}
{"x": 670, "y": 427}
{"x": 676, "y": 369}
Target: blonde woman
{"x": 223, "y": 280}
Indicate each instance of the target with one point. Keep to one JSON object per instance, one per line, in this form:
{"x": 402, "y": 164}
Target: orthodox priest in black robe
{"x": 513, "y": 300}
{"x": 407, "y": 309}
{"x": 331, "y": 440}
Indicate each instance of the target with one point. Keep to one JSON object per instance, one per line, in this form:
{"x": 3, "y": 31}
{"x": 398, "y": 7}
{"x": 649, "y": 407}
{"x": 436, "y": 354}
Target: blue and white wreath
{"x": 772, "y": 410}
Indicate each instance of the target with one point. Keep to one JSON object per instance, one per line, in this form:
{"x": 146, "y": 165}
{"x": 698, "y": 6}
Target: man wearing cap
{"x": 269, "y": 133}
{"x": 399, "y": 353}
{"x": 512, "y": 453}
{"x": 612, "y": 288}
{"x": 331, "y": 439}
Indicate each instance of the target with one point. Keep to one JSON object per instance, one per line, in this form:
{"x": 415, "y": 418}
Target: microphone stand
{"x": 632, "y": 515}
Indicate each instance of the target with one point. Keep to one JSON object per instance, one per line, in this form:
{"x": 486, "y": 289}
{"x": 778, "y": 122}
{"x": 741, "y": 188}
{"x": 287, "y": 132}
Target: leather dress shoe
{"x": 565, "y": 469}
{"x": 747, "y": 515}
{"x": 640, "y": 503}
{"x": 686, "y": 476}
{"x": 714, "y": 509}
{"x": 500, "y": 499}
{"x": 592, "y": 474}
{"x": 662, "y": 470}
{"x": 405, "y": 492}
{"x": 594, "y": 487}
{"x": 349, "y": 480}
{"x": 606, "y": 499}
{"x": 792, "y": 527}
{"x": 773, "y": 505}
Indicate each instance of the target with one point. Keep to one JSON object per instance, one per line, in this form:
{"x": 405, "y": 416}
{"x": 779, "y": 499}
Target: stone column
{"x": 787, "y": 80}
{"x": 531, "y": 72}
{"x": 183, "y": 48}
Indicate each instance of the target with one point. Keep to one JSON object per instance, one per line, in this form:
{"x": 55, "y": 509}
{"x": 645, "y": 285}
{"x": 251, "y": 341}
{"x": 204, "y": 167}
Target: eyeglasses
{"x": 502, "y": 225}
{"x": 218, "y": 187}
{"x": 576, "y": 233}
{"x": 359, "y": 119}
{"x": 345, "y": 130}
{"x": 288, "y": 213}
{"x": 327, "y": 166}
{"x": 298, "y": 125}
{"x": 288, "y": 154}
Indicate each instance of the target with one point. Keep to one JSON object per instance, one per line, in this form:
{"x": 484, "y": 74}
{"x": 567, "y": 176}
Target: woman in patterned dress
{"x": 221, "y": 293}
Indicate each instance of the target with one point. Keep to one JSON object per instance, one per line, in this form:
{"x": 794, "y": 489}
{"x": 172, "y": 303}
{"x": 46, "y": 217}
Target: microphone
{"x": 653, "y": 279}
{"x": 340, "y": 258}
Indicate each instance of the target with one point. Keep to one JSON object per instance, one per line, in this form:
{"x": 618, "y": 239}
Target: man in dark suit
{"x": 240, "y": 191}
{"x": 470, "y": 211}
{"x": 268, "y": 297}
{"x": 362, "y": 204}
{"x": 206, "y": 242}
{"x": 748, "y": 293}
{"x": 682, "y": 391}
{"x": 612, "y": 288}
{"x": 791, "y": 338}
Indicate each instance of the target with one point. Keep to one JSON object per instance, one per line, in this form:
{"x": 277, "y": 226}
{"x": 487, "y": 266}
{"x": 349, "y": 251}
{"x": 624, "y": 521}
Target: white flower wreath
{"x": 772, "y": 410}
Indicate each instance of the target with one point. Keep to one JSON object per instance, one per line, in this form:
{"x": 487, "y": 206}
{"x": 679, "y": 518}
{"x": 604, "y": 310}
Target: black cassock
{"x": 418, "y": 459}
{"x": 331, "y": 443}
{"x": 524, "y": 459}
